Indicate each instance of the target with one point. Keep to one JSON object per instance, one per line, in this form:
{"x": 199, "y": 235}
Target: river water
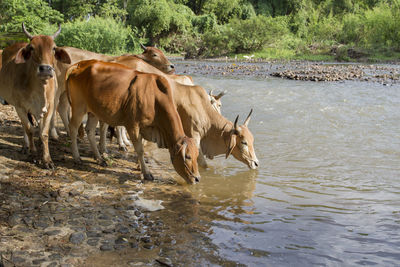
{"x": 327, "y": 191}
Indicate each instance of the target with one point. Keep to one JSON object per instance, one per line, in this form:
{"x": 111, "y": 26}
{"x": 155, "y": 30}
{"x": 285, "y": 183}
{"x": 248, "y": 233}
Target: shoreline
{"x": 386, "y": 74}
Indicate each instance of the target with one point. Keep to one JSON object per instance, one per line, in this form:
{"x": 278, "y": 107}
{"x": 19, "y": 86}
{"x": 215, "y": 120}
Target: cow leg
{"x": 91, "y": 124}
{"x": 103, "y": 137}
{"x": 53, "y": 130}
{"x": 120, "y": 139}
{"x": 44, "y": 137}
{"x": 73, "y": 126}
{"x": 29, "y": 144}
{"x": 124, "y": 137}
{"x": 201, "y": 159}
{"x": 63, "y": 110}
{"x": 138, "y": 145}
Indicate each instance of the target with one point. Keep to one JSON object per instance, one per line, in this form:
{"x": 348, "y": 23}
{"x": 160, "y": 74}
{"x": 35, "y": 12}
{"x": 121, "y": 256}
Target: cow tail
{"x": 67, "y": 75}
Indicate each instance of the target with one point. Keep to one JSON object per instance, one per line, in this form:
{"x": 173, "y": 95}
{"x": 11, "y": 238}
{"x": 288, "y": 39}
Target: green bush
{"x": 204, "y": 23}
{"x": 99, "y": 35}
{"x": 36, "y": 14}
{"x": 382, "y": 26}
{"x": 158, "y": 19}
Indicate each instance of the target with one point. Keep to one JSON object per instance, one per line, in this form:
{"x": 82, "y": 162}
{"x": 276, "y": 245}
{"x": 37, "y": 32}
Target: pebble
{"x": 121, "y": 240}
{"x": 92, "y": 242}
{"x": 38, "y": 261}
{"x": 52, "y": 232}
{"x": 77, "y": 238}
{"x": 122, "y": 229}
{"x": 106, "y": 247}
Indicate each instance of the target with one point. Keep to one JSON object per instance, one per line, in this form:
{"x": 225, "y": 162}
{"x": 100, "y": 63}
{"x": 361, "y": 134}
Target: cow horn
{"x": 144, "y": 47}
{"x": 246, "y": 122}
{"x": 26, "y": 32}
{"x": 57, "y": 32}
{"x": 220, "y": 95}
{"x": 235, "y": 123}
{"x": 211, "y": 92}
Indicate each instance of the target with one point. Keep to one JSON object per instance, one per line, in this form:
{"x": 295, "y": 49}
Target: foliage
{"x": 159, "y": 18}
{"x": 36, "y": 14}
{"x": 208, "y": 28}
{"x": 101, "y": 35}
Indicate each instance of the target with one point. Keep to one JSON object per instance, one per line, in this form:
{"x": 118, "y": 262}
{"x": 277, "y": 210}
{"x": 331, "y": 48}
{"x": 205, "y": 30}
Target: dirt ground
{"x": 79, "y": 215}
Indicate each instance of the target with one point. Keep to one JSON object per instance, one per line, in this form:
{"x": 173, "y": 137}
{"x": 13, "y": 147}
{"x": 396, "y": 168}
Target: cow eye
{"x": 154, "y": 55}
{"x": 188, "y": 156}
{"x": 244, "y": 143}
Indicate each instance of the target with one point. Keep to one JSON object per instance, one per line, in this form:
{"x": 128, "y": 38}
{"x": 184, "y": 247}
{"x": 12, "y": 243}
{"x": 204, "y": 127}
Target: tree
{"x": 36, "y": 14}
{"x": 158, "y": 18}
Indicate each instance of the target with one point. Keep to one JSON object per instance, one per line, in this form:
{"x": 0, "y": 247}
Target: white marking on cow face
{"x": 244, "y": 149}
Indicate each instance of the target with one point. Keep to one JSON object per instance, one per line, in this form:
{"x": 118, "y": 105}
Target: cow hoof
{"x": 102, "y": 162}
{"x": 103, "y": 151}
{"x": 24, "y": 150}
{"x": 128, "y": 143}
{"x": 54, "y": 135}
{"x": 49, "y": 165}
{"x": 78, "y": 161}
{"x": 148, "y": 177}
{"x": 123, "y": 148}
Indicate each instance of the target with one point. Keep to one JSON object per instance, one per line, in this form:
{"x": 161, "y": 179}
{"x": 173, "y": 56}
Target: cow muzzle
{"x": 45, "y": 71}
{"x": 171, "y": 69}
{"x": 253, "y": 164}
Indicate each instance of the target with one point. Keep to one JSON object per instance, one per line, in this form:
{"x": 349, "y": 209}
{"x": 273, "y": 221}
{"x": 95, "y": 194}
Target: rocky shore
{"x": 84, "y": 215}
{"x": 386, "y": 74}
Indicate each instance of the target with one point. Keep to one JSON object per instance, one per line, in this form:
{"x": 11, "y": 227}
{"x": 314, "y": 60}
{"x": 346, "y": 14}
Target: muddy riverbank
{"x": 79, "y": 215}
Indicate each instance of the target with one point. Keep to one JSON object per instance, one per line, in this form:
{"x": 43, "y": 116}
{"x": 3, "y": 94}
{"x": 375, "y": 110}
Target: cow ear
{"x": 23, "y": 55}
{"x": 62, "y": 56}
{"x": 232, "y": 144}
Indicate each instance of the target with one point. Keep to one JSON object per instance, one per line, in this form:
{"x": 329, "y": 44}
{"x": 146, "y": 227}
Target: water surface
{"x": 328, "y": 188}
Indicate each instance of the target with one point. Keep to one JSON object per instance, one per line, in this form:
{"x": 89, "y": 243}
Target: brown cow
{"x": 156, "y": 58}
{"x": 201, "y": 120}
{"x": 143, "y": 103}
{"x": 27, "y": 82}
{"x": 152, "y": 55}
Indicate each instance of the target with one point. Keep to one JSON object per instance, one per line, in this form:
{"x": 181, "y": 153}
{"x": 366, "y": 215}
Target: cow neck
{"x": 218, "y": 136}
{"x": 172, "y": 125}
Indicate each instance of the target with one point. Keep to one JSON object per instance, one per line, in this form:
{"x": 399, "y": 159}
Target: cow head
{"x": 216, "y": 100}
{"x": 184, "y": 160}
{"x": 156, "y": 58}
{"x": 41, "y": 53}
{"x": 241, "y": 144}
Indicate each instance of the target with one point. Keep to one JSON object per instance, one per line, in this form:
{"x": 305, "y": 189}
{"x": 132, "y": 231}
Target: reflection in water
{"x": 327, "y": 191}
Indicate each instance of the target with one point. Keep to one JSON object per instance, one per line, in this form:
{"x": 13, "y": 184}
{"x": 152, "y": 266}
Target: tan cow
{"x": 216, "y": 100}
{"x": 214, "y": 134}
{"x": 201, "y": 120}
{"x": 143, "y": 103}
{"x": 27, "y": 82}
